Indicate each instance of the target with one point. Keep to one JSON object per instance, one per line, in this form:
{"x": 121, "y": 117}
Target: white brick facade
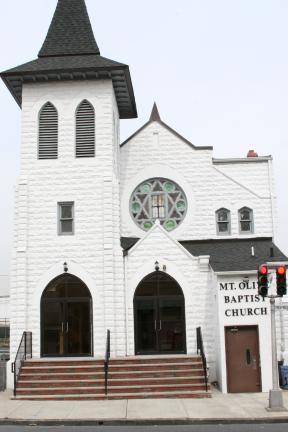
{"x": 93, "y": 186}
{"x": 208, "y": 185}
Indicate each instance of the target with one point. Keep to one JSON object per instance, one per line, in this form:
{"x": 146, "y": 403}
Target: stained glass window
{"x": 158, "y": 198}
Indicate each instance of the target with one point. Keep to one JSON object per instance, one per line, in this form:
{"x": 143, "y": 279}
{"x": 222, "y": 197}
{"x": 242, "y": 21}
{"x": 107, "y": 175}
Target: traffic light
{"x": 281, "y": 280}
{"x": 263, "y": 281}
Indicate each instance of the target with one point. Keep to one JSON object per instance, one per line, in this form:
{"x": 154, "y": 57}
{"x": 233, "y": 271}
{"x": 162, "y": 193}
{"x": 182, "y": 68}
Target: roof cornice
{"x": 241, "y": 160}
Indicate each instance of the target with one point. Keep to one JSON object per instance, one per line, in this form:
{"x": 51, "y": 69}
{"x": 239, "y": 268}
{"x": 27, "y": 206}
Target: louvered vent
{"x": 85, "y": 130}
{"x": 48, "y": 132}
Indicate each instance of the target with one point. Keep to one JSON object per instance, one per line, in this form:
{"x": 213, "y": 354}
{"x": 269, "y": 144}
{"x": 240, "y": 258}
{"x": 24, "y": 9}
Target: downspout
{"x": 271, "y": 195}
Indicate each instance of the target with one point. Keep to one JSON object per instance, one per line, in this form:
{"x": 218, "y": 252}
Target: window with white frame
{"x": 223, "y": 221}
{"x": 245, "y": 220}
{"x": 65, "y": 218}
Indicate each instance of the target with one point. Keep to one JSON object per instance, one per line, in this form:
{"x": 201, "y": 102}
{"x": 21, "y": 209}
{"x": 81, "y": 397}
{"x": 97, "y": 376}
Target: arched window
{"x": 48, "y": 132}
{"x": 85, "y": 130}
{"x": 223, "y": 221}
{"x": 158, "y": 198}
{"x": 245, "y": 220}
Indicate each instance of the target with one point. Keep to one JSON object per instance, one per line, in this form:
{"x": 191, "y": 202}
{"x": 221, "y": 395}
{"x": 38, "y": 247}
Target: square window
{"x": 65, "y": 218}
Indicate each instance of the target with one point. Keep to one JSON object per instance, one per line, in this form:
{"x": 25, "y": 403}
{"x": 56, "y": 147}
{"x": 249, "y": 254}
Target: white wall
{"x": 157, "y": 152}
{"x": 93, "y": 252}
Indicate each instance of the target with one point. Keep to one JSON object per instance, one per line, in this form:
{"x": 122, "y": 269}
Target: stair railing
{"x": 24, "y": 352}
{"x": 106, "y": 361}
{"x": 200, "y": 349}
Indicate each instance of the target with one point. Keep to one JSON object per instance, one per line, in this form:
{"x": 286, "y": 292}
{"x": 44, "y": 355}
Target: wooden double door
{"x": 242, "y": 359}
{"x": 159, "y": 316}
{"x": 66, "y": 318}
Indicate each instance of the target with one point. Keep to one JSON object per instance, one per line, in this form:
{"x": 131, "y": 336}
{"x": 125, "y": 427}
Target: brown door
{"x": 242, "y": 359}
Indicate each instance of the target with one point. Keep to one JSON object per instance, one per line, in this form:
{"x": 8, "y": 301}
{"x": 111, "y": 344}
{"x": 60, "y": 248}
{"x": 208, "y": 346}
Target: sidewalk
{"x": 224, "y": 407}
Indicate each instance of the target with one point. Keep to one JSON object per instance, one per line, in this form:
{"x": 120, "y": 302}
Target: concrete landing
{"x": 226, "y": 407}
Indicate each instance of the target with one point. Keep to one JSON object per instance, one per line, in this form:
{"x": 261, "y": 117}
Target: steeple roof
{"x": 70, "y": 32}
{"x": 155, "y": 116}
{"x": 70, "y": 52}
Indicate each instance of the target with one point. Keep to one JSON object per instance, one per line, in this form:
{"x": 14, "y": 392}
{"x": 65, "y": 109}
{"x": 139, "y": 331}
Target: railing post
{"x": 201, "y": 349}
{"x": 14, "y": 380}
{"x": 106, "y": 362}
{"x": 24, "y": 351}
{"x": 25, "y": 345}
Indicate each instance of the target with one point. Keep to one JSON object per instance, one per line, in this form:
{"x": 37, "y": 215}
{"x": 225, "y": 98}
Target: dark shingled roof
{"x": 228, "y": 254}
{"x": 70, "y": 32}
{"x": 70, "y": 52}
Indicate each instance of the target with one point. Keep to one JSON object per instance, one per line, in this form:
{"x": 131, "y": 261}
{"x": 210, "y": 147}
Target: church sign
{"x": 241, "y": 299}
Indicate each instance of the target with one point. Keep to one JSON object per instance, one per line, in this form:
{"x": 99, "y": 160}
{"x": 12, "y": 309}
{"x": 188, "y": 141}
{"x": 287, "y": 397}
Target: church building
{"x": 153, "y": 239}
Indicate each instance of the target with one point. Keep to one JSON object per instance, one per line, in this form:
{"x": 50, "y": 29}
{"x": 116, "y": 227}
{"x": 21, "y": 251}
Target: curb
{"x": 140, "y": 422}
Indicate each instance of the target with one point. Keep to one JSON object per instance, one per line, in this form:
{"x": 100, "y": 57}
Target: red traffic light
{"x": 281, "y": 270}
{"x": 263, "y": 270}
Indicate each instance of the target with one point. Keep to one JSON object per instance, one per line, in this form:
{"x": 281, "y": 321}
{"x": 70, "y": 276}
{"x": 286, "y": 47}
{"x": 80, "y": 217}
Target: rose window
{"x": 158, "y": 198}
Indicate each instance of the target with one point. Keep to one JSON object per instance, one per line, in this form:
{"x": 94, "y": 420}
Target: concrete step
{"x": 112, "y": 368}
{"x": 123, "y": 373}
{"x": 144, "y": 395}
{"x": 111, "y": 382}
{"x": 51, "y": 363}
{"x": 147, "y": 388}
{"x": 83, "y": 379}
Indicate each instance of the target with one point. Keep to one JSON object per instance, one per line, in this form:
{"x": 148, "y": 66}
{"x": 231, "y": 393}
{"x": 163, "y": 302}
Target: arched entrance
{"x": 159, "y": 316}
{"x": 66, "y": 318}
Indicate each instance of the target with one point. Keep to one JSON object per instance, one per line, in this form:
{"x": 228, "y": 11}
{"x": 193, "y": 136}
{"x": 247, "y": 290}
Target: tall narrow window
{"x": 48, "y": 132}
{"x": 85, "y": 130}
{"x": 65, "y": 218}
{"x": 245, "y": 220}
{"x": 223, "y": 221}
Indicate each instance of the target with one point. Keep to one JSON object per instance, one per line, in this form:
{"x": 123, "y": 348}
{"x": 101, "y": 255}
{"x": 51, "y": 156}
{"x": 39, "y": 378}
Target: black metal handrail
{"x": 24, "y": 352}
{"x": 106, "y": 362}
{"x": 200, "y": 348}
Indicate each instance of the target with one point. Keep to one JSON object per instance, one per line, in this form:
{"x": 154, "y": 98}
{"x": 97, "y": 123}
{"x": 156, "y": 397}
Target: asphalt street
{"x": 271, "y": 427}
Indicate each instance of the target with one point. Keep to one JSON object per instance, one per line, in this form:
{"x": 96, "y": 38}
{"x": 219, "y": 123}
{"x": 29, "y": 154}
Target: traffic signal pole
{"x": 277, "y": 282}
{"x": 275, "y": 395}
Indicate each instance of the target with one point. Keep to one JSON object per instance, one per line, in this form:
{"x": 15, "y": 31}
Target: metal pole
{"x": 282, "y": 327}
{"x": 275, "y": 395}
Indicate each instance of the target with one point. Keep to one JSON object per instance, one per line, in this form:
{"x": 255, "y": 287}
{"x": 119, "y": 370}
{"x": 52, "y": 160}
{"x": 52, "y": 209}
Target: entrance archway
{"x": 159, "y": 316}
{"x": 66, "y": 318}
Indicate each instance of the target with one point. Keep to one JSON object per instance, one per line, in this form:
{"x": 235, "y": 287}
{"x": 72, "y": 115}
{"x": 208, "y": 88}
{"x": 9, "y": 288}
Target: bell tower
{"x": 67, "y": 207}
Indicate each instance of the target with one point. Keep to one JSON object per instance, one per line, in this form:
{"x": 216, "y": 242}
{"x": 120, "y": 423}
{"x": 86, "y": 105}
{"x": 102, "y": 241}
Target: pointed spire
{"x": 70, "y": 32}
{"x": 155, "y": 114}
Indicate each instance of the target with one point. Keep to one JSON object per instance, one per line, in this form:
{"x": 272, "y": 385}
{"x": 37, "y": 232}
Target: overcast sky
{"x": 217, "y": 69}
